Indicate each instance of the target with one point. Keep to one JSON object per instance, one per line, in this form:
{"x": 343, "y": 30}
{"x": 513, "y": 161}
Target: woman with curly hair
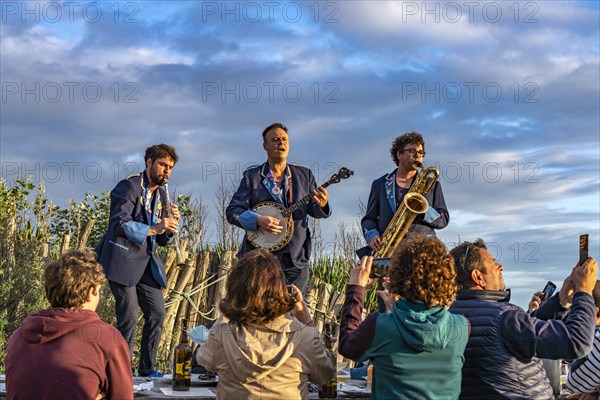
{"x": 265, "y": 345}
{"x": 417, "y": 348}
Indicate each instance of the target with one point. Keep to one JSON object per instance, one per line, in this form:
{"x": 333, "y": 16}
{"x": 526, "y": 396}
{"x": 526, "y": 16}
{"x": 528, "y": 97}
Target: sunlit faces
{"x": 410, "y": 154}
{"x": 493, "y": 272}
{"x": 276, "y": 145}
{"x": 159, "y": 170}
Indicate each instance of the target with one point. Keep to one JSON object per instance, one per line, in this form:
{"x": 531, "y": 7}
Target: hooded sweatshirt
{"x": 270, "y": 361}
{"x": 417, "y": 353}
{"x": 67, "y": 353}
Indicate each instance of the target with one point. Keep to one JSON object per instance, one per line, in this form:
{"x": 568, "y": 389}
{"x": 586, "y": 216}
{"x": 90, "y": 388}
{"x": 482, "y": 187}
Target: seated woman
{"x": 417, "y": 348}
{"x": 262, "y": 346}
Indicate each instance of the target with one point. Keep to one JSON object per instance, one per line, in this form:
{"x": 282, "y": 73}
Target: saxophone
{"x": 414, "y": 203}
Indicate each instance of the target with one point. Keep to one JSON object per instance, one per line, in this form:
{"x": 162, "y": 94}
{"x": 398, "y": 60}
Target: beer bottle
{"x": 329, "y": 389}
{"x": 182, "y": 362}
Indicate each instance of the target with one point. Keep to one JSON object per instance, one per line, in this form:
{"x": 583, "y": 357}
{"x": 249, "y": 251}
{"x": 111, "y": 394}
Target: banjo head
{"x": 270, "y": 241}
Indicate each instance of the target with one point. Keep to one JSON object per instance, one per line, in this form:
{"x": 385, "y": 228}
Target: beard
{"x": 158, "y": 180}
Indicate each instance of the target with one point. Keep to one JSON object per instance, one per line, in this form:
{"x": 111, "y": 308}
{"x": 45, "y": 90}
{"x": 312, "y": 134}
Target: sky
{"x": 506, "y": 94}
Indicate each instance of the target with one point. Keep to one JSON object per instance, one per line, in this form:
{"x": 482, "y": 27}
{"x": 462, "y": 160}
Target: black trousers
{"x": 148, "y": 296}
{"x": 293, "y": 274}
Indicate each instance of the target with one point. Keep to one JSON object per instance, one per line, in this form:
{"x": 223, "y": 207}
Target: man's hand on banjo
{"x": 269, "y": 224}
{"x": 321, "y": 196}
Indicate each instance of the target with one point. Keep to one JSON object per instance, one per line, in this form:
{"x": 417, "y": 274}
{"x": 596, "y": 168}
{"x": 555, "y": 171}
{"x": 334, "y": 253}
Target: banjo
{"x": 277, "y": 241}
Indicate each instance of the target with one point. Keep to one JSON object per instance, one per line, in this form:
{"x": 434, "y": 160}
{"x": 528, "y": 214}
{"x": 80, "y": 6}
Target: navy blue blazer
{"x": 381, "y": 208}
{"x": 125, "y": 250}
{"x": 253, "y": 189}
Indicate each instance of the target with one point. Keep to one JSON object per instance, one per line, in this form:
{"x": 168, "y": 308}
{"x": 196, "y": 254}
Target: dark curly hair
{"x": 68, "y": 279}
{"x": 256, "y": 289}
{"x": 467, "y": 257}
{"x": 421, "y": 270}
{"x": 161, "y": 151}
{"x": 401, "y": 141}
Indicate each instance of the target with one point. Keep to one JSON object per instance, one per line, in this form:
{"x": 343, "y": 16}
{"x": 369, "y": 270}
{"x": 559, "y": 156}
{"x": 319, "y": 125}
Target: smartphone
{"x": 290, "y": 290}
{"x": 379, "y": 268}
{"x": 583, "y": 249}
{"x": 548, "y": 290}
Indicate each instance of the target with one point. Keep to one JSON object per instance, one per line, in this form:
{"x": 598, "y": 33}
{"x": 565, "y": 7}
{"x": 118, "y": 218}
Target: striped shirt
{"x": 586, "y": 377}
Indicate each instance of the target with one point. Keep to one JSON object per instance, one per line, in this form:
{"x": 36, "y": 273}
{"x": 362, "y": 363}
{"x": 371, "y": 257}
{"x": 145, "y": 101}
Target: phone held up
{"x": 548, "y": 290}
{"x": 583, "y": 249}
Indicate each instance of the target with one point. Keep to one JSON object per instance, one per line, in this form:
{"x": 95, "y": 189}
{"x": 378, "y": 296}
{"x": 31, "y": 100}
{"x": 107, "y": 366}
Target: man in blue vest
{"x": 276, "y": 180}
{"x": 139, "y": 222}
{"x": 502, "y": 358}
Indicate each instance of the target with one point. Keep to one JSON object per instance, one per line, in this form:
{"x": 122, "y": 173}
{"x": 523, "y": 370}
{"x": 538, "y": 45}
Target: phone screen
{"x": 583, "y": 248}
{"x": 548, "y": 290}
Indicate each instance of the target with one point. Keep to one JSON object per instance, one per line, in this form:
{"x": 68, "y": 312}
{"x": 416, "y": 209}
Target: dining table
{"x": 203, "y": 389}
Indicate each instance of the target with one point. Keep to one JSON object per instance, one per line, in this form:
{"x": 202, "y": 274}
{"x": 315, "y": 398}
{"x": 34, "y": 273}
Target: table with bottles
{"x": 201, "y": 389}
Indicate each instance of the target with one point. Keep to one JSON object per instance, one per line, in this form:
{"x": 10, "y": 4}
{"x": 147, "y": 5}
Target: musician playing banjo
{"x": 285, "y": 184}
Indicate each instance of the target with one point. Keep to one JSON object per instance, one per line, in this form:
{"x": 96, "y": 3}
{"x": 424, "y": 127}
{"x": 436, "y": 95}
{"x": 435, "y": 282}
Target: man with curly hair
{"x": 66, "y": 351}
{"x": 417, "y": 349}
{"x": 388, "y": 191}
{"x": 502, "y": 359}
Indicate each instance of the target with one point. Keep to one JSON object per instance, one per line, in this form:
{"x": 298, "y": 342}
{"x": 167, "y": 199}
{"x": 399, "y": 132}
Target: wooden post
{"x": 65, "y": 242}
{"x": 312, "y": 291}
{"x": 203, "y": 262}
{"x": 174, "y": 296}
{"x": 222, "y": 270}
{"x": 322, "y": 305}
{"x": 86, "y": 234}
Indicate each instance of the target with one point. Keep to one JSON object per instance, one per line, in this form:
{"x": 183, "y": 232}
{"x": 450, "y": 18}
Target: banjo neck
{"x": 303, "y": 201}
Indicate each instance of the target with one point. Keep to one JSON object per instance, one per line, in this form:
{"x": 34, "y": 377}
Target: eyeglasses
{"x": 414, "y": 152}
{"x": 464, "y": 261}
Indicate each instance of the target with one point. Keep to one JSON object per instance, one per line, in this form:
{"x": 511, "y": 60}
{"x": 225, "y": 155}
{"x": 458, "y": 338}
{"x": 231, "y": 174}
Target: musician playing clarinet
{"x": 140, "y": 221}
{"x": 284, "y": 183}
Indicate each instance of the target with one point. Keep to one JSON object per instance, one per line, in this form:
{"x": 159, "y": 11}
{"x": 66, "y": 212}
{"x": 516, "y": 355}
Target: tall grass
{"x": 34, "y": 231}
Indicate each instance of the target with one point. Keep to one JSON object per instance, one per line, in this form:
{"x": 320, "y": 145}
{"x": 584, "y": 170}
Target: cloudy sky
{"x": 506, "y": 94}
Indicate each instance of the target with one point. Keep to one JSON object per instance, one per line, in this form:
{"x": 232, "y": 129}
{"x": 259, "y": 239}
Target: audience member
{"x": 416, "y": 349}
{"x": 502, "y": 359}
{"x": 262, "y": 347}
{"x": 584, "y": 375}
{"x": 66, "y": 351}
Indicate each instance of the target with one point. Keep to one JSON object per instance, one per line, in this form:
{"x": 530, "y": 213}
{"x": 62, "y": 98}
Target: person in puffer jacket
{"x": 502, "y": 358}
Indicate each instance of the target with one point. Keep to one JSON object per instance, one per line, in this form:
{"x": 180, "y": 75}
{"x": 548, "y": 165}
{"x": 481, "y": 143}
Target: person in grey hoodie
{"x": 264, "y": 346}
{"x": 417, "y": 348}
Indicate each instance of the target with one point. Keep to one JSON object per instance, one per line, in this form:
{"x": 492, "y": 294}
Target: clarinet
{"x": 170, "y": 215}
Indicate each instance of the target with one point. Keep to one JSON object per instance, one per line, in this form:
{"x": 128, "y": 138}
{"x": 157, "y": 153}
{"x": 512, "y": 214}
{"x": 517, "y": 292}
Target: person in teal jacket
{"x": 417, "y": 346}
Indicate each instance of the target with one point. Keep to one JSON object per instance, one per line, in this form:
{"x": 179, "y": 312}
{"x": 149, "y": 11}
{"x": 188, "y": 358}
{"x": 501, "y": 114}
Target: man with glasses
{"x": 502, "y": 358}
{"x": 388, "y": 191}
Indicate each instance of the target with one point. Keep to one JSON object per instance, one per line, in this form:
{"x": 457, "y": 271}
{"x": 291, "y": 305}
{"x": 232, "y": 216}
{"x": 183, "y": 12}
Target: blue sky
{"x": 505, "y": 93}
